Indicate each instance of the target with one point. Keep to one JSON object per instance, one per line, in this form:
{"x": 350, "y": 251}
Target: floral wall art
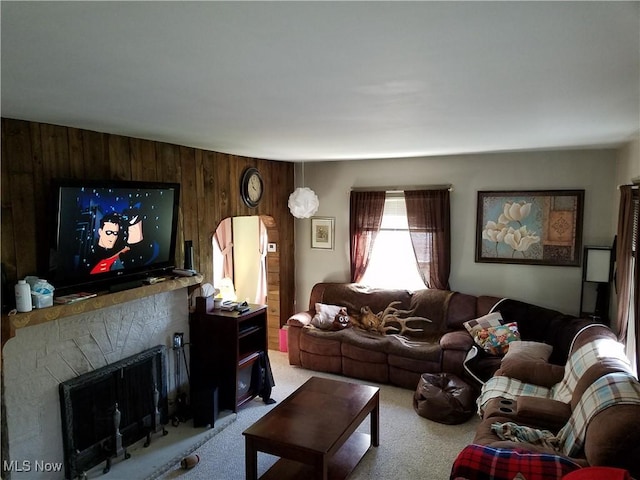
{"x": 530, "y": 227}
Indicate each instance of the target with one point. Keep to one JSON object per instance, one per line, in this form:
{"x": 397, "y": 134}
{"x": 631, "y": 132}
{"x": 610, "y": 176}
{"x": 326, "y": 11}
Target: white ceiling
{"x": 329, "y": 80}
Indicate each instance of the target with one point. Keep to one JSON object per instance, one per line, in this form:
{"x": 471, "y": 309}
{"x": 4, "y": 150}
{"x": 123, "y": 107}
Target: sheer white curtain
{"x": 224, "y": 239}
{"x": 261, "y": 289}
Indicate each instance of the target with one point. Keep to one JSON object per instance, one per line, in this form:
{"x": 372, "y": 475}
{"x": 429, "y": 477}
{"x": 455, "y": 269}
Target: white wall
{"x": 629, "y": 161}
{"x": 553, "y": 287}
{"x": 246, "y": 257}
{"x": 42, "y": 356}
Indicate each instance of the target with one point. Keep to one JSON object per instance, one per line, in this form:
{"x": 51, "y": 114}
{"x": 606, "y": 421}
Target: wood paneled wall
{"x": 34, "y": 153}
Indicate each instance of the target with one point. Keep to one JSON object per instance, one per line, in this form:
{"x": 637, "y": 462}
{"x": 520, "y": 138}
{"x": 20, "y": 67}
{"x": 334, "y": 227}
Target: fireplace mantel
{"x": 10, "y": 323}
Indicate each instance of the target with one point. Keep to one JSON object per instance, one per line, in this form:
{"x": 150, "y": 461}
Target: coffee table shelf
{"x": 340, "y": 466}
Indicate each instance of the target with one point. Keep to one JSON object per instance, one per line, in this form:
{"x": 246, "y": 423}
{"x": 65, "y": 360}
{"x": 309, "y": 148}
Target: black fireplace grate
{"x": 108, "y": 409}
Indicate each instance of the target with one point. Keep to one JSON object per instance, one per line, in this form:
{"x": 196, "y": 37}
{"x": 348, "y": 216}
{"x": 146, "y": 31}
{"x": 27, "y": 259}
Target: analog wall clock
{"x": 251, "y": 187}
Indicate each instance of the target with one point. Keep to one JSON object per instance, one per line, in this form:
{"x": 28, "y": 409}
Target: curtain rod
{"x": 402, "y": 189}
{"x": 633, "y": 186}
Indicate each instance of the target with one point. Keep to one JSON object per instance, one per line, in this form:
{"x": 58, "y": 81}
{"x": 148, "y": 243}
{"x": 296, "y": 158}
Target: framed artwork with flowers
{"x": 535, "y": 227}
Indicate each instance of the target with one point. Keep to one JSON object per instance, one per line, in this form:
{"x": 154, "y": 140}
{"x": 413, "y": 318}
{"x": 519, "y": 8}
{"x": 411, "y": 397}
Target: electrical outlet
{"x": 271, "y": 247}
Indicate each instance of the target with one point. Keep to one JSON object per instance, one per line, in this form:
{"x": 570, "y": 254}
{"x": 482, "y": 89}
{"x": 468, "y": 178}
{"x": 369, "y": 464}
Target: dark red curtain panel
{"x": 624, "y": 260}
{"x": 366, "y": 210}
{"x": 627, "y": 278}
{"x": 430, "y": 229}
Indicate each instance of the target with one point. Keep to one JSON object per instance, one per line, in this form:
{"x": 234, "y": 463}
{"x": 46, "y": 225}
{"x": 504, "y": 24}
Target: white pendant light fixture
{"x": 303, "y": 202}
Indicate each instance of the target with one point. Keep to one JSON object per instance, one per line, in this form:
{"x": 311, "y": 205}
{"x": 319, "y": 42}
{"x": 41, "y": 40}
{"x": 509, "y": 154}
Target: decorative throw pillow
{"x": 531, "y": 351}
{"x": 490, "y": 320}
{"x": 325, "y": 315}
{"x": 341, "y": 320}
{"x": 496, "y": 340}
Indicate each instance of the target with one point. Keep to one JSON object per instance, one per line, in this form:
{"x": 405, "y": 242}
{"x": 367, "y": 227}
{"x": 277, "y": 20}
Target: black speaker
{"x": 188, "y": 255}
{"x": 204, "y": 404}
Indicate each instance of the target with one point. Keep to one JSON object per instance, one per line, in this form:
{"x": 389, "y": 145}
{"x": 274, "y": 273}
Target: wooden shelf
{"x": 10, "y": 323}
{"x": 225, "y": 348}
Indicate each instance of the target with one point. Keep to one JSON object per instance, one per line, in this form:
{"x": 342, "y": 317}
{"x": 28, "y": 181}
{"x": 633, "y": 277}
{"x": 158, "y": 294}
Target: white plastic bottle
{"x": 23, "y": 296}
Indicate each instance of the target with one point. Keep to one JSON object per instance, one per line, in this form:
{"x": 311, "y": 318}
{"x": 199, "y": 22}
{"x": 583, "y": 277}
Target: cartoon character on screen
{"x": 115, "y": 237}
{"x": 110, "y": 245}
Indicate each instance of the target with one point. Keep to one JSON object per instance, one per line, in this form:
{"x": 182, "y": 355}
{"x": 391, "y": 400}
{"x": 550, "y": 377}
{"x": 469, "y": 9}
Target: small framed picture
{"x": 322, "y": 232}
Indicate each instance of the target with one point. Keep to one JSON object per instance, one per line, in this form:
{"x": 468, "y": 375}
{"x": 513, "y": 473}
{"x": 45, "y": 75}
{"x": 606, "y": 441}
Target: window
{"x": 393, "y": 262}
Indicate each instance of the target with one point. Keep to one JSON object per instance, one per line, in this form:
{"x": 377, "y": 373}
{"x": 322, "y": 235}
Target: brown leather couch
{"x": 387, "y": 359}
{"x": 612, "y": 436}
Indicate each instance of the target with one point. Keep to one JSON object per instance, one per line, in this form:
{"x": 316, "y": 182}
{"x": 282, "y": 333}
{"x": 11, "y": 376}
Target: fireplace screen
{"x": 106, "y": 410}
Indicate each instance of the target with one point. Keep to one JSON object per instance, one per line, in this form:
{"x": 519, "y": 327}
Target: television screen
{"x": 111, "y": 230}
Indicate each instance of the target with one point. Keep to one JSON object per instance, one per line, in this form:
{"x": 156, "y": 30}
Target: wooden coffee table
{"x": 314, "y": 431}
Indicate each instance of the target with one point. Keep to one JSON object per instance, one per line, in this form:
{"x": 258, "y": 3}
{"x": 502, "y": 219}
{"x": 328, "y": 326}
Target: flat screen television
{"x": 108, "y": 233}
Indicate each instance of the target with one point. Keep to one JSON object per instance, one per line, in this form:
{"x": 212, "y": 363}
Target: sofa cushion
{"x": 321, "y": 363}
{"x": 321, "y": 342}
{"x": 363, "y": 353}
{"x": 536, "y": 373}
{"x": 402, "y": 347}
{"x": 355, "y": 296}
{"x": 531, "y": 351}
{"x": 374, "y": 372}
{"x": 367, "y": 340}
{"x": 432, "y": 304}
{"x": 464, "y": 307}
{"x": 457, "y": 340}
{"x": 417, "y": 365}
{"x": 541, "y": 324}
{"x": 545, "y": 412}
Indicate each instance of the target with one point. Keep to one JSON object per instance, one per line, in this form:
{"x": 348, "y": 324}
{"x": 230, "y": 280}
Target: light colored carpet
{"x": 411, "y": 446}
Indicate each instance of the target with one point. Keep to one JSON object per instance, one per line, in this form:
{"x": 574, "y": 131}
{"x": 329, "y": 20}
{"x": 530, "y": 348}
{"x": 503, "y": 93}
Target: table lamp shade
{"x": 598, "y": 265}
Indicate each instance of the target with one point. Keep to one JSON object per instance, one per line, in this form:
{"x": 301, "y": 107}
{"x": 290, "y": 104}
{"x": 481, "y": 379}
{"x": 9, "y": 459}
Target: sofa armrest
{"x": 456, "y": 340}
{"x": 300, "y": 319}
{"x": 545, "y": 412}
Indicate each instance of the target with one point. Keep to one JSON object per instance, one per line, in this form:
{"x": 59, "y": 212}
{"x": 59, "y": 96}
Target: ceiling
{"x": 305, "y": 81}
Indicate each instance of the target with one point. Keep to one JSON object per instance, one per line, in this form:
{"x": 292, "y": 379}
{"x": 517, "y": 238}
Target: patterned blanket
{"x": 611, "y": 389}
{"x": 583, "y": 358}
{"x": 520, "y": 433}
{"x": 579, "y": 362}
{"x": 478, "y": 462}
{"x": 510, "y": 388}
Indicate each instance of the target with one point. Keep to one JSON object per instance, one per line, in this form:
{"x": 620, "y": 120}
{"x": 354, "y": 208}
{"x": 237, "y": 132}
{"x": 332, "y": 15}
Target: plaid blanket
{"x": 579, "y": 362}
{"x": 583, "y": 358}
{"x": 613, "y": 388}
{"x": 510, "y": 388}
{"x": 478, "y": 462}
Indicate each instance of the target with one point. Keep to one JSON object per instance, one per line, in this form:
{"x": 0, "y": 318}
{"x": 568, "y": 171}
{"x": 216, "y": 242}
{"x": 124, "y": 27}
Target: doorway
{"x": 240, "y": 259}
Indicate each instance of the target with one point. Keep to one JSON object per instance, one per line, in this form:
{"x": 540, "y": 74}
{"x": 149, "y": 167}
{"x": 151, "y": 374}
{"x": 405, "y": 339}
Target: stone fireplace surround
{"x": 42, "y": 356}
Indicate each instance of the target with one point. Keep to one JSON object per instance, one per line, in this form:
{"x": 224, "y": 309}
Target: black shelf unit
{"x": 225, "y": 352}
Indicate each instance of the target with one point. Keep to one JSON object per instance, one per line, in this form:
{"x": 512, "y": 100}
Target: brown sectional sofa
{"x": 612, "y": 436}
{"x": 444, "y": 348}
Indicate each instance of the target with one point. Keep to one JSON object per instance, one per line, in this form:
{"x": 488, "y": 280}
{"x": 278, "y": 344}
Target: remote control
{"x": 183, "y": 272}
{"x": 153, "y": 280}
